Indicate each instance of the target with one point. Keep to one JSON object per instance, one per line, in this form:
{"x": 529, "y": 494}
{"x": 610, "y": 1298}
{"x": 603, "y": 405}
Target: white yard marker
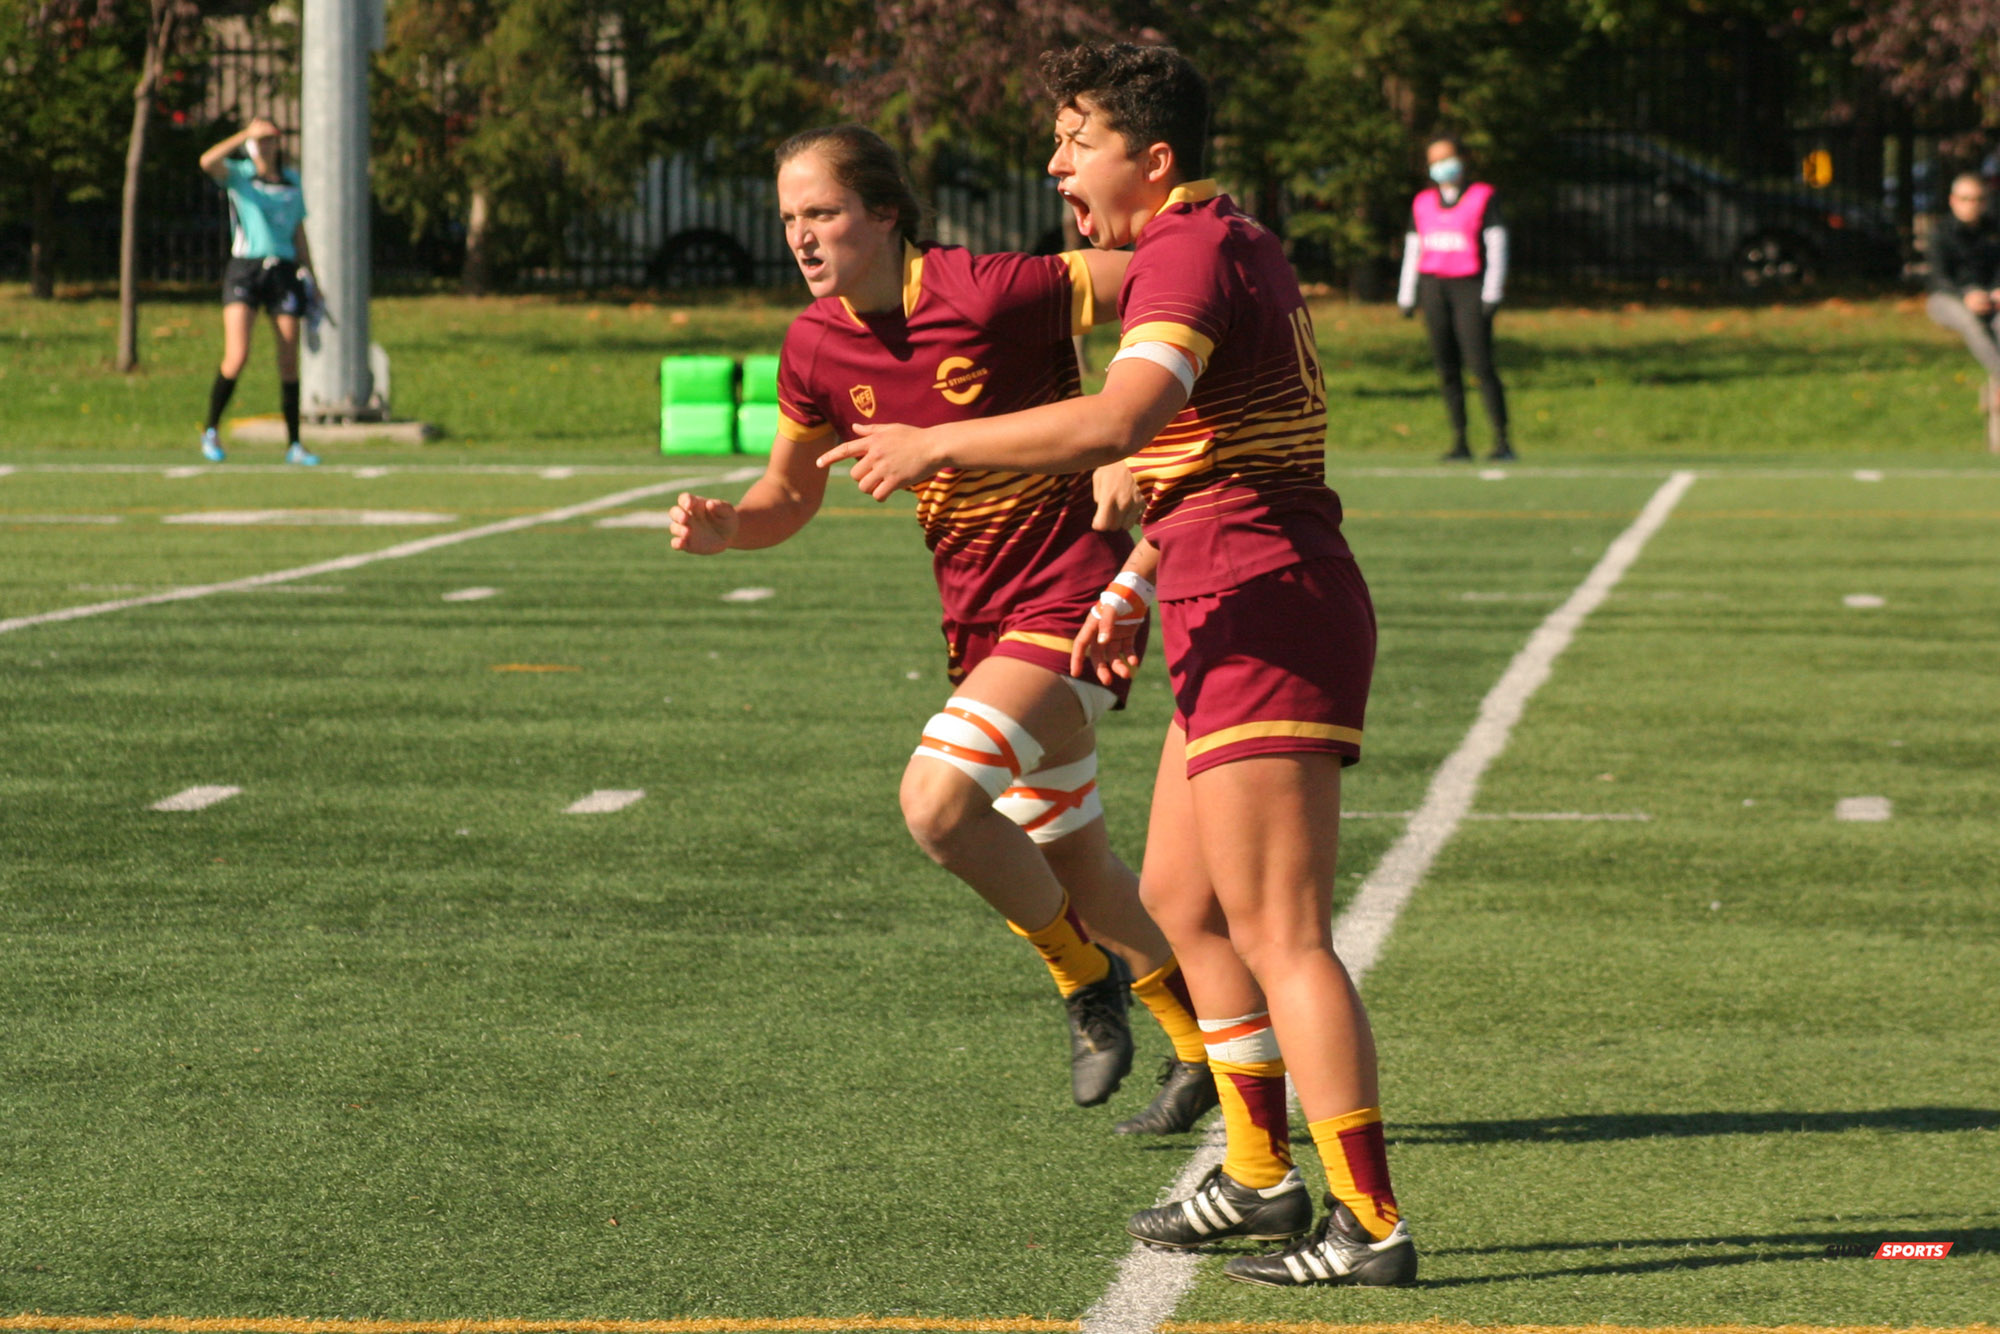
{"x": 558, "y": 474}
{"x": 470, "y": 595}
{"x": 1150, "y": 1283}
{"x": 1493, "y": 474}
{"x": 604, "y": 801}
{"x": 371, "y": 474}
{"x": 194, "y": 799}
{"x": 749, "y": 594}
{"x": 397, "y": 552}
{"x": 184, "y": 472}
{"x": 6, "y": 470}
{"x": 1862, "y": 600}
{"x": 1867, "y": 475}
{"x": 637, "y": 519}
{"x": 1865, "y": 810}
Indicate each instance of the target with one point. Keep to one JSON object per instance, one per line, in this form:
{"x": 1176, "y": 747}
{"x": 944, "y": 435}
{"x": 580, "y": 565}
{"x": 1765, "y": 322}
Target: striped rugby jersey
{"x": 977, "y": 336}
{"x": 1236, "y": 482}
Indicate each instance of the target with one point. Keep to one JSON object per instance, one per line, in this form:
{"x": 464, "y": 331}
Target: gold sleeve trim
{"x": 800, "y": 433}
{"x": 1251, "y": 731}
{"x": 1166, "y": 331}
{"x": 1083, "y": 293}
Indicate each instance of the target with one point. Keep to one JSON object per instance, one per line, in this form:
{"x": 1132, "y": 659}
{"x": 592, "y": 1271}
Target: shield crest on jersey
{"x": 864, "y": 399}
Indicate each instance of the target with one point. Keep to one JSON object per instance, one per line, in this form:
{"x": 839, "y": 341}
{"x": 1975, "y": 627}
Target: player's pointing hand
{"x": 887, "y": 458}
{"x": 700, "y": 525}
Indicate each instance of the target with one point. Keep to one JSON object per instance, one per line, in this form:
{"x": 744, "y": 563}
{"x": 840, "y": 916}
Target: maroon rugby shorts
{"x": 1278, "y": 665}
{"x": 1041, "y": 634}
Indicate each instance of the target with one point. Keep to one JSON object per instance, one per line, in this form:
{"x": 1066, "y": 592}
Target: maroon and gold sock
{"x": 1074, "y": 962}
{"x": 1259, "y": 1148}
{"x": 1357, "y": 1167}
{"x": 1164, "y": 992}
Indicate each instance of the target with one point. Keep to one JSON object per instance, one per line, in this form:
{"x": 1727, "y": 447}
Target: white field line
{"x": 604, "y": 801}
{"x": 397, "y": 552}
{"x": 1150, "y": 1284}
{"x": 479, "y": 594}
{"x": 194, "y": 798}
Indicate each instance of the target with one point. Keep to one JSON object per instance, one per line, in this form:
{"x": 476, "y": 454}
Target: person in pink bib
{"x": 1455, "y": 267}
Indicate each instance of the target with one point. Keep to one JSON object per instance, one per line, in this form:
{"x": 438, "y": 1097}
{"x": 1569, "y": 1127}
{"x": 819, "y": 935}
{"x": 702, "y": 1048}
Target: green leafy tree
{"x": 510, "y": 121}
{"x": 64, "y": 81}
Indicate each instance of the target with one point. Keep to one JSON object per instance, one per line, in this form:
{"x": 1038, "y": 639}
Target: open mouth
{"x": 811, "y": 265}
{"x": 1084, "y": 221}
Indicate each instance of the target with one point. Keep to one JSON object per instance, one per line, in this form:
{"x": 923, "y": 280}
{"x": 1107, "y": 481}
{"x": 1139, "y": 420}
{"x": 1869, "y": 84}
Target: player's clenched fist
{"x": 701, "y": 525}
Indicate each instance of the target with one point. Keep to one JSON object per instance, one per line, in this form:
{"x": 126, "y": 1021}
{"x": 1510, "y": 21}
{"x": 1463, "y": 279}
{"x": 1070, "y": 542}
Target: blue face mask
{"x": 1449, "y": 171}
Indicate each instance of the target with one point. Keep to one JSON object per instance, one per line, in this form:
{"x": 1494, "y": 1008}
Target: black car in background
{"x": 1624, "y": 205}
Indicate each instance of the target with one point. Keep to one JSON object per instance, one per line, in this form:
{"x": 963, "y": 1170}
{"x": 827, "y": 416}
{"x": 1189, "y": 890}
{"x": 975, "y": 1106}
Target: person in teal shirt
{"x": 269, "y": 269}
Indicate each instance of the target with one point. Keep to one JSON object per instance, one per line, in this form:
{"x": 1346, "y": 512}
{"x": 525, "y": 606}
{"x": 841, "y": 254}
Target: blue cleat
{"x": 211, "y": 446}
{"x": 297, "y": 454}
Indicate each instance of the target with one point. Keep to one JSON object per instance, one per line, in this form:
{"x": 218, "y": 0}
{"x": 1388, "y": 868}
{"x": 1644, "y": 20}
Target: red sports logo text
{"x": 1913, "y": 1250}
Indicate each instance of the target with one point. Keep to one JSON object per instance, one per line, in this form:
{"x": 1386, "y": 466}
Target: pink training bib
{"x": 1449, "y": 237}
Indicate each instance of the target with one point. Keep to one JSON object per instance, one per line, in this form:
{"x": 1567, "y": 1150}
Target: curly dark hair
{"x": 1149, "y": 94}
{"x": 863, "y": 161}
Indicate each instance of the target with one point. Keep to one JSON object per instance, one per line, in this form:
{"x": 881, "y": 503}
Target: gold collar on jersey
{"x": 913, "y": 285}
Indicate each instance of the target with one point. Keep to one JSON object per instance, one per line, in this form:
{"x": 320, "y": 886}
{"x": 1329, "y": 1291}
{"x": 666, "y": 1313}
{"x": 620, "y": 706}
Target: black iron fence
{"x": 1732, "y": 154}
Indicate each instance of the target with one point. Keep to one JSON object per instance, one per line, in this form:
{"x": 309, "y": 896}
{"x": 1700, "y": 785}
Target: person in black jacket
{"x": 1964, "y": 254}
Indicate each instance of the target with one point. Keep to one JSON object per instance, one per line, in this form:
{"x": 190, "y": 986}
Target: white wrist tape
{"x": 1129, "y": 600}
{"x": 1183, "y": 365}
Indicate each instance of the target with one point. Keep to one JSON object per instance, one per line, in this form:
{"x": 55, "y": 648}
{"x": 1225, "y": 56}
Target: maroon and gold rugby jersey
{"x": 977, "y": 336}
{"x": 1236, "y": 483}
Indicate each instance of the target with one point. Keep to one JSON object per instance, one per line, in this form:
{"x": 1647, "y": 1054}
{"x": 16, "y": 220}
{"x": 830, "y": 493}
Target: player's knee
{"x": 938, "y": 801}
{"x": 970, "y": 753}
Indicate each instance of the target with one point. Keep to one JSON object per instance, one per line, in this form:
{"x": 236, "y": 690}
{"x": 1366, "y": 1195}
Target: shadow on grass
{"x": 1780, "y": 1246}
{"x": 1598, "y": 1128}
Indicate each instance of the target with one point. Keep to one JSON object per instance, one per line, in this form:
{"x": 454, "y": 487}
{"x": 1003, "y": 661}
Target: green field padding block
{"x": 698, "y": 428}
{"x": 697, "y": 379}
{"x": 756, "y": 424}
{"x": 760, "y": 379}
{"x": 697, "y": 405}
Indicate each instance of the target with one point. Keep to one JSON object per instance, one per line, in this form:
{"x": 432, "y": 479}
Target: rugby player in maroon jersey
{"x": 1001, "y": 790}
{"x": 1216, "y": 402}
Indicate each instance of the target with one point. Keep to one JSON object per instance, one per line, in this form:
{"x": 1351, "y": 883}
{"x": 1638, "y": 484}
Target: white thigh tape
{"x": 980, "y": 741}
{"x": 1056, "y": 802}
{"x": 1248, "y": 1040}
{"x": 1096, "y": 699}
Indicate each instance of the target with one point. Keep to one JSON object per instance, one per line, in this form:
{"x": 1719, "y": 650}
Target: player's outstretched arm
{"x": 777, "y": 505}
{"x": 1075, "y": 435}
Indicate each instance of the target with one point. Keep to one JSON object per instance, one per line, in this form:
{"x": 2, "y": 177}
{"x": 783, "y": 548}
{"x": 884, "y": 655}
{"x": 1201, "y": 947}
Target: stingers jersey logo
{"x": 864, "y": 399}
{"x": 959, "y": 380}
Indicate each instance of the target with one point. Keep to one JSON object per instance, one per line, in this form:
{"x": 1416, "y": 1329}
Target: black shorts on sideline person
{"x": 272, "y": 285}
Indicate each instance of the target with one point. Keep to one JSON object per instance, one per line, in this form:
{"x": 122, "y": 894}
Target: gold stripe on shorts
{"x": 1252, "y": 731}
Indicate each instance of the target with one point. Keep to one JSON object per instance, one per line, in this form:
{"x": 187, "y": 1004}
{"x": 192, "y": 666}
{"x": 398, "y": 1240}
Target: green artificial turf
{"x": 389, "y": 1035}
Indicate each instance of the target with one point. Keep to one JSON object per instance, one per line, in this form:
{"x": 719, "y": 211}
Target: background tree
{"x": 510, "y": 121}
{"x": 63, "y": 79}
{"x": 1935, "y": 51}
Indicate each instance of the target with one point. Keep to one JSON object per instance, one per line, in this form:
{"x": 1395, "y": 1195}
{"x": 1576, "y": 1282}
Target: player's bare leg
{"x": 1255, "y": 1194}
{"x": 1269, "y": 828}
{"x": 994, "y": 730}
{"x": 1048, "y": 827}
